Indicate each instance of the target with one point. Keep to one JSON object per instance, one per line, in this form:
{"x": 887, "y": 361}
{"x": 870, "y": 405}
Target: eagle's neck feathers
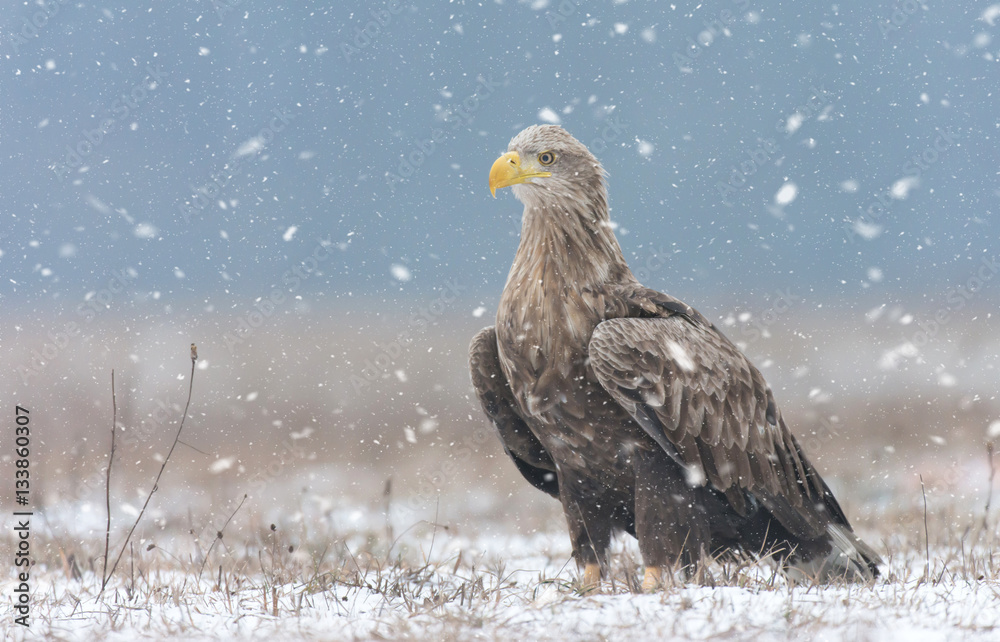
{"x": 568, "y": 242}
{"x": 567, "y": 253}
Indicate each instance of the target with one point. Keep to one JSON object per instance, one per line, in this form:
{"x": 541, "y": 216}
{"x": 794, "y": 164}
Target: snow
{"x": 991, "y": 14}
{"x": 145, "y": 231}
{"x": 680, "y": 356}
{"x": 866, "y": 230}
{"x": 221, "y": 465}
{"x": 891, "y": 359}
{"x": 250, "y": 147}
{"x": 400, "y": 272}
{"x": 786, "y": 194}
{"x": 457, "y": 587}
{"x": 794, "y": 122}
{"x": 901, "y": 189}
{"x": 548, "y": 115}
{"x": 947, "y": 380}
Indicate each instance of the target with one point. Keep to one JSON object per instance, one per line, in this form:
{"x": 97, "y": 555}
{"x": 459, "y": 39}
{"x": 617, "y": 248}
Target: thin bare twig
{"x": 218, "y": 537}
{"x": 107, "y": 485}
{"x": 387, "y": 499}
{"x": 927, "y": 543}
{"x": 989, "y": 494}
{"x": 194, "y": 359}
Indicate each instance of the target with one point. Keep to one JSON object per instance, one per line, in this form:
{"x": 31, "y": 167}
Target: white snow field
{"x": 311, "y": 581}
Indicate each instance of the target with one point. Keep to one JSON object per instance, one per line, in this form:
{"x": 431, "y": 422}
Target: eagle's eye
{"x": 547, "y": 158}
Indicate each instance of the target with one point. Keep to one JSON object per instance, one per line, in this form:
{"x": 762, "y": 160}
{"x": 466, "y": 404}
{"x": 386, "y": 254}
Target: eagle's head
{"x": 548, "y": 168}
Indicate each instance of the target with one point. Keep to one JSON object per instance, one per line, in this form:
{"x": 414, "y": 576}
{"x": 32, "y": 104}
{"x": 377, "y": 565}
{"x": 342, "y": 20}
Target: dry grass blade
{"x": 927, "y": 541}
{"x": 177, "y": 437}
{"x": 989, "y": 493}
{"x": 107, "y": 485}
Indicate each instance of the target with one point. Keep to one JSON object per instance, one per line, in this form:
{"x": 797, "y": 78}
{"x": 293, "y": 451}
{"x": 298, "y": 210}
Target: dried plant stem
{"x": 989, "y": 492}
{"x": 218, "y": 537}
{"x": 387, "y": 497}
{"x": 194, "y": 359}
{"x": 107, "y": 485}
{"x": 927, "y": 543}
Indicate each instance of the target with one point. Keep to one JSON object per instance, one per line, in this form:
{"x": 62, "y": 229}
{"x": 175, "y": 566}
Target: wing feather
{"x": 530, "y": 457}
{"x": 706, "y": 398}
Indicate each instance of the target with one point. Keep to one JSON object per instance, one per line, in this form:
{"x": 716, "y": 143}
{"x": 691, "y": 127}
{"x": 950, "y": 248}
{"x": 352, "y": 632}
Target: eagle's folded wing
{"x": 695, "y": 394}
{"x": 530, "y": 457}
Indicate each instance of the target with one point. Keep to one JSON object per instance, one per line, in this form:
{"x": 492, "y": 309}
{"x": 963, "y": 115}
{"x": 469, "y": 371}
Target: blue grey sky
{"x": 846, "y": 150}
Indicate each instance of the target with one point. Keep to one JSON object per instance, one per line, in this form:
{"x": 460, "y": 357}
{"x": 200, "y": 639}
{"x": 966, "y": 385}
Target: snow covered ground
{"x": 437, "y": 582}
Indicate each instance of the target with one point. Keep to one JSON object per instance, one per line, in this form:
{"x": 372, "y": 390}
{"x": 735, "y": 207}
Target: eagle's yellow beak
{"x": 507, "y": 171}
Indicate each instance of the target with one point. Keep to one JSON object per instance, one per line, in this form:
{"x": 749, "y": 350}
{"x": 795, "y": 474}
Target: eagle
{"x": 632, "y": 408}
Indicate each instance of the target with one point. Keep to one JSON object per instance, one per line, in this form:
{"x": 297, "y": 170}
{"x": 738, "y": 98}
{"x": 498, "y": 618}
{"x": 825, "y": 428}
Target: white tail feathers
{"x": 849, "y": 559}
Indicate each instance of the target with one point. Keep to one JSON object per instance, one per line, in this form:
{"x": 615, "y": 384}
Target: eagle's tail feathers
{"x": 849, "y": 559}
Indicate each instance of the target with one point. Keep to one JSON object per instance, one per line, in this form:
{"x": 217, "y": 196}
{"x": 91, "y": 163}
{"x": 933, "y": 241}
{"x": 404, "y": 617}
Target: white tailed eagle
{"x": 629, "y": 406}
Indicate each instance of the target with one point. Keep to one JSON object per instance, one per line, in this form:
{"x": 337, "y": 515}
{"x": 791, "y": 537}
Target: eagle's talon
{"x": 652, "y": 579}
{"x": 591, "y": 579}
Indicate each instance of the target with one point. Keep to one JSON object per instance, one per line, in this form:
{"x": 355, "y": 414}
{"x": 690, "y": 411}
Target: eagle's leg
{"x": 670, "y": 524}
{"x": 589, "y": 516}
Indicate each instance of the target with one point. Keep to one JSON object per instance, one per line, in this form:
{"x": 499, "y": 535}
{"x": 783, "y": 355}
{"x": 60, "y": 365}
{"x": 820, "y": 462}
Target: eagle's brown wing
{"x": 702, "y": 400}
{"x": 530, "y": 457}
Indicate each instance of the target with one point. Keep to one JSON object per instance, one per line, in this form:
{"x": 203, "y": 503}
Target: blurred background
{"x": 300, "y": 189}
